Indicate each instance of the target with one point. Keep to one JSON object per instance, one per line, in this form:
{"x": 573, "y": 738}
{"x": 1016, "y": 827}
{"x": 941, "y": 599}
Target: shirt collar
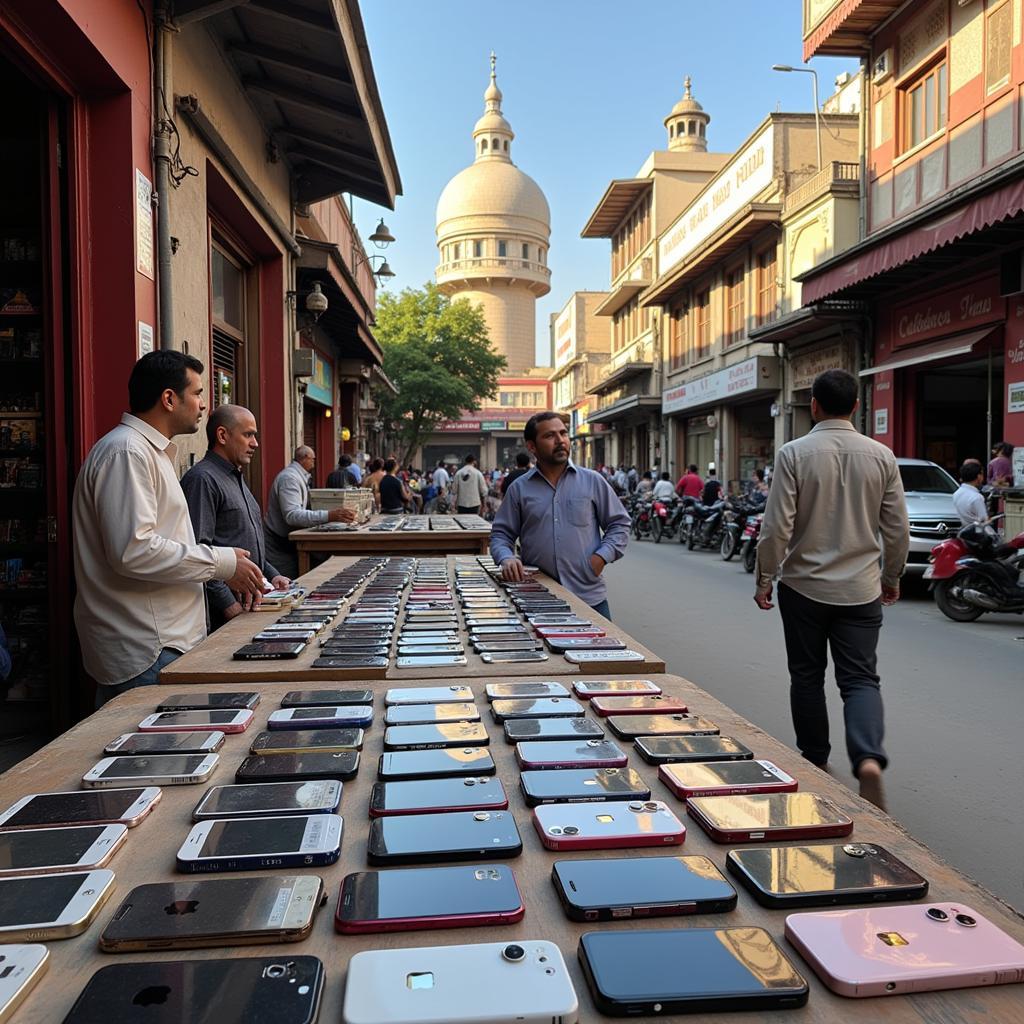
{"x": 151, "y": 434}
{"x": 833, "y": 425}
{"x": 301, "y": 470}
{"x": 535, "y": 470}
{"x": 218, "y": 460}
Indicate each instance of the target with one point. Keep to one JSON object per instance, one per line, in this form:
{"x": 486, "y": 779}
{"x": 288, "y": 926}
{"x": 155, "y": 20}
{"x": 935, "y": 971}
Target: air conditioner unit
{"x": 881, "y": 66}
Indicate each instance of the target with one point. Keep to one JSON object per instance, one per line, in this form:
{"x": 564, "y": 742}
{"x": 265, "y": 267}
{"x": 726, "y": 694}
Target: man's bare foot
{"x": 869, "y": 774}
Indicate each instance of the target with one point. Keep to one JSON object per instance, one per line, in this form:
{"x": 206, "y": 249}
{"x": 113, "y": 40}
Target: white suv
{"x": 929, "y": 490}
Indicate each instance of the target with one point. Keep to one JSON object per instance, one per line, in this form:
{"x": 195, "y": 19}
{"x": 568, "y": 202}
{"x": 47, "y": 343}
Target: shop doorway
{"x": 700, "y": 445}
{"x": 316, "y": 434}
{"x": 755, "y": 439}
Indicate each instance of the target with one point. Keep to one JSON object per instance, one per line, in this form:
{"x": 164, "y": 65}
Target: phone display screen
{"x": 306, "y": 739}
{"x": 201, "y": 701}
{"x": 213, "y": 717}
{"x": 70, "y": 808}
{"x": 283, "y": 796}
{"x": 326, "y": 698}
{"x": 426, "y": 794}
{"x": 36, "y": 900}
{"x": 630, "y": 881}
{"x": 316, "y": 714}
{"x": 146, "y": 767}
{"x": 722, "y": 773}
{"x": 25, "y": 850}
{"x": 165, "y": 742}
{"x": 239, "y": 838}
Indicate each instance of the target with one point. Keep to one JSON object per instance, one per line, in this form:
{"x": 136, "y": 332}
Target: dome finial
{"x": 687, "y": 82}
{"x": 687, "y": 123}
{"x": 494, "y": 64}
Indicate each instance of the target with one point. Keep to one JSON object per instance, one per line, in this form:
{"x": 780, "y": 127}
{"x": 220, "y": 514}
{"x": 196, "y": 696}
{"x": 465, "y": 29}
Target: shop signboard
{"x": 463, "y": 426}
{"x": 518, "y": 425}
{"x": 760, "y": 373}
{"x": 565, "y": 334}
{"x": 492, "y": 424}
{"x": 806, "y": 366}
{"x": 321, "y": 384}
{"x": 1015, "y": 397}
{"x": 961, "y": 308}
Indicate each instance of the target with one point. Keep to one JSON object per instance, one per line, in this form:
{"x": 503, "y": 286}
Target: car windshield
{"x": 927, "y": 479}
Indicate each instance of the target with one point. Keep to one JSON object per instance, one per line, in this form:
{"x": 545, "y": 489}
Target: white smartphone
{"x": 429, "y": 695}
{"x": 37, "y": 908}
{"x": 165, "y": 770}
{"x": 586, "y": 657}
{"x": 520, "y": 982}
{"x": 20, "y": 968}
{"x": 38, "y": 851}
{"x": 50, "y": 810}
{"x": 269, "y": 800}
{"x": 321, "y": 717}
{"x": 223, "y": 719}
{"x": 165, "y": 743}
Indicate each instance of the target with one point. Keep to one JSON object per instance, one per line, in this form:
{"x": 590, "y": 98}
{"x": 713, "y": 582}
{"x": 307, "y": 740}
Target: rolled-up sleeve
{"x": 777, "y": 525}
{"x": 894, "y": 527}
{"x": 613, "y": 520}
{"x": 506, "y": 526}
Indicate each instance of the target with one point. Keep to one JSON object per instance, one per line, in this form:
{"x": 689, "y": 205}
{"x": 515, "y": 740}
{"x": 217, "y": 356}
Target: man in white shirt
{"x": 469, "y": 489}
{"x": 967, "y": 498}
{"x": 439, "y": 481}
{"x": 138, "y": 568}
{"x": 663, "y": 489}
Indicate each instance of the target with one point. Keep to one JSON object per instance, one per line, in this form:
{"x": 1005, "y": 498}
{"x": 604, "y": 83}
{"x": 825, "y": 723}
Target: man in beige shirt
{"x": 835, "y": 532}
{"x": 138, "y": 568}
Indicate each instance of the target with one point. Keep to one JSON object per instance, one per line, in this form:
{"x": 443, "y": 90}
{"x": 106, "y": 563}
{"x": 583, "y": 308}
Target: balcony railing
{"x": 820, "y": 182}
{"x": 484, "y": 263}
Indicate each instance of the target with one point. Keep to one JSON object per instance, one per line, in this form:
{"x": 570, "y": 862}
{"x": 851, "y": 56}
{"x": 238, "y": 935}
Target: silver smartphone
{"x": 513, "y": 691}
{"x": 225, "y": 719}
{"x": 431, "y": 661}
{"x": 165, "y": 743}
{"x": 165, "y": 770}
{"x": 20, "y": 968}
{"x": 585, "y": 657}
{"x": 501, "y": 657}
{"x": 40, "y": 851}
{"x": 269, "y": 800}
{"x": 429, "y": 695}
{"x": 109, "y": 807}
{"x": 43, "y": 907}
{"x": 427, "y": 651}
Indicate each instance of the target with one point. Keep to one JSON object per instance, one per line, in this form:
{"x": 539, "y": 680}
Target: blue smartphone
{"x": 321, "y": 718}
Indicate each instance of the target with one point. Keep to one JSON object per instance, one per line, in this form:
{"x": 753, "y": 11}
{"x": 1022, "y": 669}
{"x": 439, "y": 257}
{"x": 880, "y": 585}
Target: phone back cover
{"x": 448, "y": 836}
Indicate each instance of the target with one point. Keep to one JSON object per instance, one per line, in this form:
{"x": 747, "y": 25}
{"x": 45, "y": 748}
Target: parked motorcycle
{"x": 973, "y": 573}
{"x": 707, "y": 527}
{"x": 642, "y": 518}
{"x": 737, "y": 511}
{"x": 666, "y": 519}
{"x": 748, "y": 542}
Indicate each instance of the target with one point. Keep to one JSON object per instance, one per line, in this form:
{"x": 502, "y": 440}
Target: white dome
{"x": 492, "y": 188}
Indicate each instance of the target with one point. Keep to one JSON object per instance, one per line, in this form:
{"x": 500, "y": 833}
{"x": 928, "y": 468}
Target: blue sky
{"x": 586, "y": 86}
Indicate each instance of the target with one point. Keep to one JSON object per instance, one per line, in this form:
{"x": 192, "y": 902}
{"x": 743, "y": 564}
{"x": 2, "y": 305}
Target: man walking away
{"x": 221, "y": 506}
{"x": 469, "y": 489}
{"x": 567, "y": 519}
{"x": 439, "y": 481}
{"x": 835, "y": 511}
{"x": 342, "y": 478}
{"x": 968, "y": 500}
{"x": 712, "y": 490}
{"x": 522, "y": 468}
{"x": 690, "y": 484}
{"x": 393, "y": 491}
{"x": 139, "y": 570}
{"x": 288, "y": 509}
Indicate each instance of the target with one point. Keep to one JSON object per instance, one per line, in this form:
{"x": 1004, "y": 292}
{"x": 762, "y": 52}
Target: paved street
{"x": 953, "y": 696}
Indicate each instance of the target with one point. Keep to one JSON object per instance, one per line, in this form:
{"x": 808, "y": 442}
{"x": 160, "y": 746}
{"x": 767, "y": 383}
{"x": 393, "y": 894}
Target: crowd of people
{"x": 658, "y": 485}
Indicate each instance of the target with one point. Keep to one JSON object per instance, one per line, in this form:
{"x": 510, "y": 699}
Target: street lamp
{"x": 817, "y": 122}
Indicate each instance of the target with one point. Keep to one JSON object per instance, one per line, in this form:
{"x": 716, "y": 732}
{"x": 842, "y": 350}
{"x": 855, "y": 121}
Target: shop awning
{"x": 807, "y": 320}
{"x": 613, "y": 206}
{"x": 625, "y": 408}
{"x": 618, "y": 377}
{"x": 622, "y": 294}
{"x": 956, "y": 346}
{"x": 846, "y": 30}
{"x": 943, "y": 240}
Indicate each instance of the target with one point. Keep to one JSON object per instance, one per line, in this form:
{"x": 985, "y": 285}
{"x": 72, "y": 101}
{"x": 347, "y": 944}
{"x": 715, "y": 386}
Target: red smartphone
{"x": 410, "y": 899}
{"x": 725, "y": 778}
{"x": 757, "y": 816}
{"x": 539, "y": 754}
{"x": 643, "y": 704}
{"x": 607, "y": 826}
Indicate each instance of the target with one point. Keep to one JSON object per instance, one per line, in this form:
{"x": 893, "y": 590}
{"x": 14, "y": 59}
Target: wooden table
{"x": 363, "y": 541}
{"x": 211, "y": 661}
{"x": 148, "y": 856}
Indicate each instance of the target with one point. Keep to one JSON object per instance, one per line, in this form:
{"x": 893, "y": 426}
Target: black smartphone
{"x": 518, "y": 730}
{"x": 455, "y": 835}
{"x": 433, "y": 796}
{"x": 425, "y": 764}
{"x": 681, "y": 749}
{"x": 284, "y": 989}
{"x": 628, "y": 727}
{"x": 430, "y": 737}
{"x": 429, "y": 714}
{"x": 539, "y": 707}
{"x": 613, "y": 888}
{"x": 582, "y": 785}
{"x": 292, "y": 767}
{"x": 688, "y": 970}
{"x": 825, "y": 875}
{"x": 312, "y": 741}
{"x": 270, "y": 650}
{"x": 204, "y": 701}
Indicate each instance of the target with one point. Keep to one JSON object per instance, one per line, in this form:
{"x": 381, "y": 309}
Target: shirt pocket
{"x": 580, "y": 512}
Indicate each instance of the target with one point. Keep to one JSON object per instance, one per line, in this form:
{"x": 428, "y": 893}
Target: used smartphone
{"x": 511, "y": 657}
{"x": 427, "y": 650}
{"x": 430, "y": 661}
{"x": 538, "y": 707}
{"x": 306, "y": 741}
{"x": 269, "y": 799}
{"x": 607, "y": 826}
{"x": 747, "y": 819}
{"x": 48, "y": 850}
{"x": 23, "y": 966}
{"x": 352, "y": 661}
{"x": 166, "y": 770}
{"x": 593, "y": 657}
{"x": 582, "y": 785}
{"x": 681, "y": 749}
{"x": 425, "y": 764}
{"x": 618, "y": 888}
{"x": 451, "y": 835}
{"x": 270, "y": 650}
{"x": 722, "y": 778}
{"x": 587, "y": 688}
{"x": 560, "y": 645}
{"x": 411, "y": 899}
{"x": 429, "y": 695}
{"x": 282, "y": 989}
{"x": 628, "y": 727}
{"x": 204, "y": 701}
{"x": 223, "y": 720}
{"x": 784, "y": 877}
{"x": 211, "y": 912}
{"x": 519, "y": 729}
{"x": 639, "y": 704}
{"x": 248, "y": 844}
{"x": 498, "y": 646}
{"x": 326, "y": 698}
{"x": 342, "y": 764}
{"x": 427, "y": 714}
{"x": 321, "y": 718}
{"x": 521, "y": 982}
{"x": 434, "y": 796}
{"x": 165, "y": 743}
{"x": 45, "y": 907}
{"x": 582, "y": 753}
{"x": 637, "y": 973}
{"x": 429, "y": 737}
{"x": 110, "y": 807}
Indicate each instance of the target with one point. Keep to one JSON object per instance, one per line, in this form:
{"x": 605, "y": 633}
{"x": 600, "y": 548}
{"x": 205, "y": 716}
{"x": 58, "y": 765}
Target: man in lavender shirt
{"x": 567, "y": 519}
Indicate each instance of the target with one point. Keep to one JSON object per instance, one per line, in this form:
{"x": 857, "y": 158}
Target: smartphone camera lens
{"x": 276, "y": 971}
{"x": 570, "y": 830}
{"x": 937, "y": 914}
{"x": 966, "y": 920}
{"x": 513, "y": 953}
{"x": 853, "y": 850}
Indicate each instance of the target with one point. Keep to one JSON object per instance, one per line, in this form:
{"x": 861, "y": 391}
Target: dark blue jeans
{"x": 851, "y": 632}
{"x": 603, "y": 609}
{"x": 148, "y": 677}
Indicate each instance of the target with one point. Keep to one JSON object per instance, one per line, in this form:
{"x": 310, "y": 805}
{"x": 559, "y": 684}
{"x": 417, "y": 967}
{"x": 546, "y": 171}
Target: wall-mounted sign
{"x": 808, "y": 365}
{"x": 761, "y": 373}
{"x": 881, "y": 421}
{"x": 321, "y": 384}
{"x": 517, "y": 425}
{"x": 956, "y": 309}
{"x": 1015, "y": 397}
{"x": 144, "y": 261}
{"x": 145, "y": 338}
{"x": 492, "y": 424}
{"x": 465, "y": 426}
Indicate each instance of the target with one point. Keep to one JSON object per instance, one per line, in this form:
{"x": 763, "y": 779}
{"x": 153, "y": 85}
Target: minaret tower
{"x": 687, "y": 124}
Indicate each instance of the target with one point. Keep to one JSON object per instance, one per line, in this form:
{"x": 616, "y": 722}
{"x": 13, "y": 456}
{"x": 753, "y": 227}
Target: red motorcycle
{"x": 973, "y": 573}
{"x": 748, "y": 542}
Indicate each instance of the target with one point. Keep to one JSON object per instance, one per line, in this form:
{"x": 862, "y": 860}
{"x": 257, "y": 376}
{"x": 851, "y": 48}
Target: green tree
{"x": 439, "y": 356}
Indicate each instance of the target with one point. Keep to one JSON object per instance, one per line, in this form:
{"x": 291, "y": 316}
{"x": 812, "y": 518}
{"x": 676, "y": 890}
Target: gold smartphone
{"x": 20, "y": 968}
{"x": 38, "y": 908}
{"x": 214, "y": 912}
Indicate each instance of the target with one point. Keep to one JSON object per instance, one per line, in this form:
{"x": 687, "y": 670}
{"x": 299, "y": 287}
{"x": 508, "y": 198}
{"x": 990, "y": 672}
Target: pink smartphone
{"x": 888, "y": 950}
{"x": 610, "y": 825}
{"x": 725, "y": 778}
{"x": 643, "y": 704}
{"x": 227, "y": 720}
